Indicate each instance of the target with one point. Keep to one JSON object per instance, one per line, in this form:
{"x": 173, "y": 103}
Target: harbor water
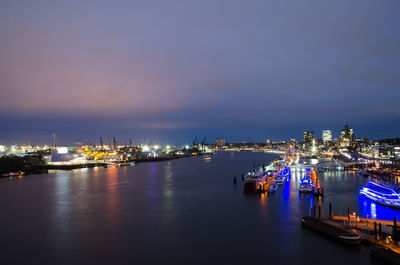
{"x": 185, "y": 211}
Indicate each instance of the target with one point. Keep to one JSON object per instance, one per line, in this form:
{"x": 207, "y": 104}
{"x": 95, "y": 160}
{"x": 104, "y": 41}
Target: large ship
{"x": 381, "y": 194}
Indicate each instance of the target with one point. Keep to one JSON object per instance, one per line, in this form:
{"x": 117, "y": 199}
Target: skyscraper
{"x": 308, "y": 137}
{"x": 219, "y": 142}
{"x": 326, "y": 136}
{"x": 347, "y": 134}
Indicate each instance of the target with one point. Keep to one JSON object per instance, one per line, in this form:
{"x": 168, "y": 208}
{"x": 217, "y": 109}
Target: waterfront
{"x": 185, "y": 211}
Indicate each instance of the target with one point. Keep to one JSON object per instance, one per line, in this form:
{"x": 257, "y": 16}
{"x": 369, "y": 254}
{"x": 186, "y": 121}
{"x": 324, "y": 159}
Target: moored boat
{"x": 273, "y": 186}
{"x": 381, "y": 194}
{"x": 206, "y": 158}
{"x": 331, "y": 229}
{"x": 256, "y": 183}
{"x": 280, "y": 179}
{"x": 305, "y": 185}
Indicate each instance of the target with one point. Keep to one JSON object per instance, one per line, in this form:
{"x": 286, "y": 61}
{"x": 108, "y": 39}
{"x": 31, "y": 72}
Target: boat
{"x": 381, "y": 194}
{"x": 285, "y": 172}
{"x": 13, "y": 174}
{"x": 331, "y": 229}
{"x": 273, "y": 186}
{"x": 280, "y": 179}
{"x": 305, "y": 185}
{"x": 206, "y": 158}
{"x": 256, "y": 183}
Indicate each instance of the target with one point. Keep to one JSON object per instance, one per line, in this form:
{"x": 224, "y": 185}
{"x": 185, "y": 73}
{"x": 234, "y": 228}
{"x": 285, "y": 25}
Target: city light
{"x": 145, "y": 148}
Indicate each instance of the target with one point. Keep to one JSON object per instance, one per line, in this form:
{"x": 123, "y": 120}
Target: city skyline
{"x": 325, "y": 135}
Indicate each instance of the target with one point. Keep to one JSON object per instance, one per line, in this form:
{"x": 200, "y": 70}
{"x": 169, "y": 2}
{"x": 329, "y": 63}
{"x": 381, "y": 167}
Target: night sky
{"x": 167, "y": 71}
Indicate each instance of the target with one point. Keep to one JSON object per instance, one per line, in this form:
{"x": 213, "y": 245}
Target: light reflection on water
{"x": 183, "y": 211}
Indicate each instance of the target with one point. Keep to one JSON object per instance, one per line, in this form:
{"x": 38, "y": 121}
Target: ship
{"x": 381, "y": 194}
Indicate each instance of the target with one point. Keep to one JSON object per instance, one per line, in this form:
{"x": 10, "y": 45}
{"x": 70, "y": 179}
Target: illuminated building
{"x": 347, "y": 137}
{"x": 67, "y": 159}
{"x": 347, "y": 133}
{"x": 308, "y": 137}
{"x": 219, "y": 142}
{"x": 326, "y": 136}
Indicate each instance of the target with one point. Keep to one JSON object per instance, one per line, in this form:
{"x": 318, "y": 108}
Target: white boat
{"x": 273, "y": 186}
{"x": 279, "y": 179}
{"x": 381, "y": 194}
{"x": 305, "y": 185}
{"x": 206, "y": 158}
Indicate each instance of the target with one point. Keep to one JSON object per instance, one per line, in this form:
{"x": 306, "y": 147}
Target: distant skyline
{"x": 168, "y": 71}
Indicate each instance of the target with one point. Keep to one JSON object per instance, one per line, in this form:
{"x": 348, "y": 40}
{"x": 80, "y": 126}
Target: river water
{"x": 185, "y": 211}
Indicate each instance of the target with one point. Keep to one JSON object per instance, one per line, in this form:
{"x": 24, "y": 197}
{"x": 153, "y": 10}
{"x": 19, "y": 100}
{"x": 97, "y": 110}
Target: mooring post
{"x": 319, "y": 211}
{"x": 314, "y": 212}
{"x": 375, "y": 230}
{"x": 348, "y": 214}
{"x": 330, "y": 210}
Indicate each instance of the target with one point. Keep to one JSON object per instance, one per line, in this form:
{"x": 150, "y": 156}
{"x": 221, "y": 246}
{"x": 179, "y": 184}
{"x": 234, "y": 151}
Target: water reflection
{"x": 168, "y": 188}
{"x": 62, "y": 199}
{"x": 370, "y": 209}
{"x": 112, "y": 197}
{"x": 185, "y": 211}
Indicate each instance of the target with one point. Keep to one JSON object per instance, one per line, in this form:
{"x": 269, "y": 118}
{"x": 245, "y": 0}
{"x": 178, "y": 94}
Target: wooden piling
{"x": 319, "y": 211}
{"x": 348, "y": 214}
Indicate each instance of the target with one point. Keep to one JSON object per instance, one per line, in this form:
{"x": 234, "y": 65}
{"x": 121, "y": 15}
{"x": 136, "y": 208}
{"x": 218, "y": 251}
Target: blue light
{"x": 370, "y": 209}
{"x": 381, "y": 194}
{"x": 305, "y": 180}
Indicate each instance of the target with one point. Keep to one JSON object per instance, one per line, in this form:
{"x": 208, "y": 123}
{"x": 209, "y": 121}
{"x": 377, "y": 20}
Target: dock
{"x": 382, "y": 235}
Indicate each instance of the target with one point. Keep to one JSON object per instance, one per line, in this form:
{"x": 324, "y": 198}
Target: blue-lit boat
{"x": 381, "y": 194}
{"x": 305, "y": 185}
{"x": 285, "y": 172}
{"x": 279, "y": 179}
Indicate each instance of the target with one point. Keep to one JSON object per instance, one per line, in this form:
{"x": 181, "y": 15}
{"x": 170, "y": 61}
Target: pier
{"x": 382, "y": 235}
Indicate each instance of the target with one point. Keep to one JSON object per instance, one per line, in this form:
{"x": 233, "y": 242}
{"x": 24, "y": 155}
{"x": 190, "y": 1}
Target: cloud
{"x": 176, "y": 64}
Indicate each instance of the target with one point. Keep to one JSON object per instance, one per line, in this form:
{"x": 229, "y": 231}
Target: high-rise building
{"x": 347, "y": 134}
{"x": 220, "y": 142}
{"x": 308, "y": 137}
{"x": 326, "y": 136}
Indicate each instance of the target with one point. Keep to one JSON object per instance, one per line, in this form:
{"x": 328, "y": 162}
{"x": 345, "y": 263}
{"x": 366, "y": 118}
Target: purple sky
{"x": 167, "y": 71}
